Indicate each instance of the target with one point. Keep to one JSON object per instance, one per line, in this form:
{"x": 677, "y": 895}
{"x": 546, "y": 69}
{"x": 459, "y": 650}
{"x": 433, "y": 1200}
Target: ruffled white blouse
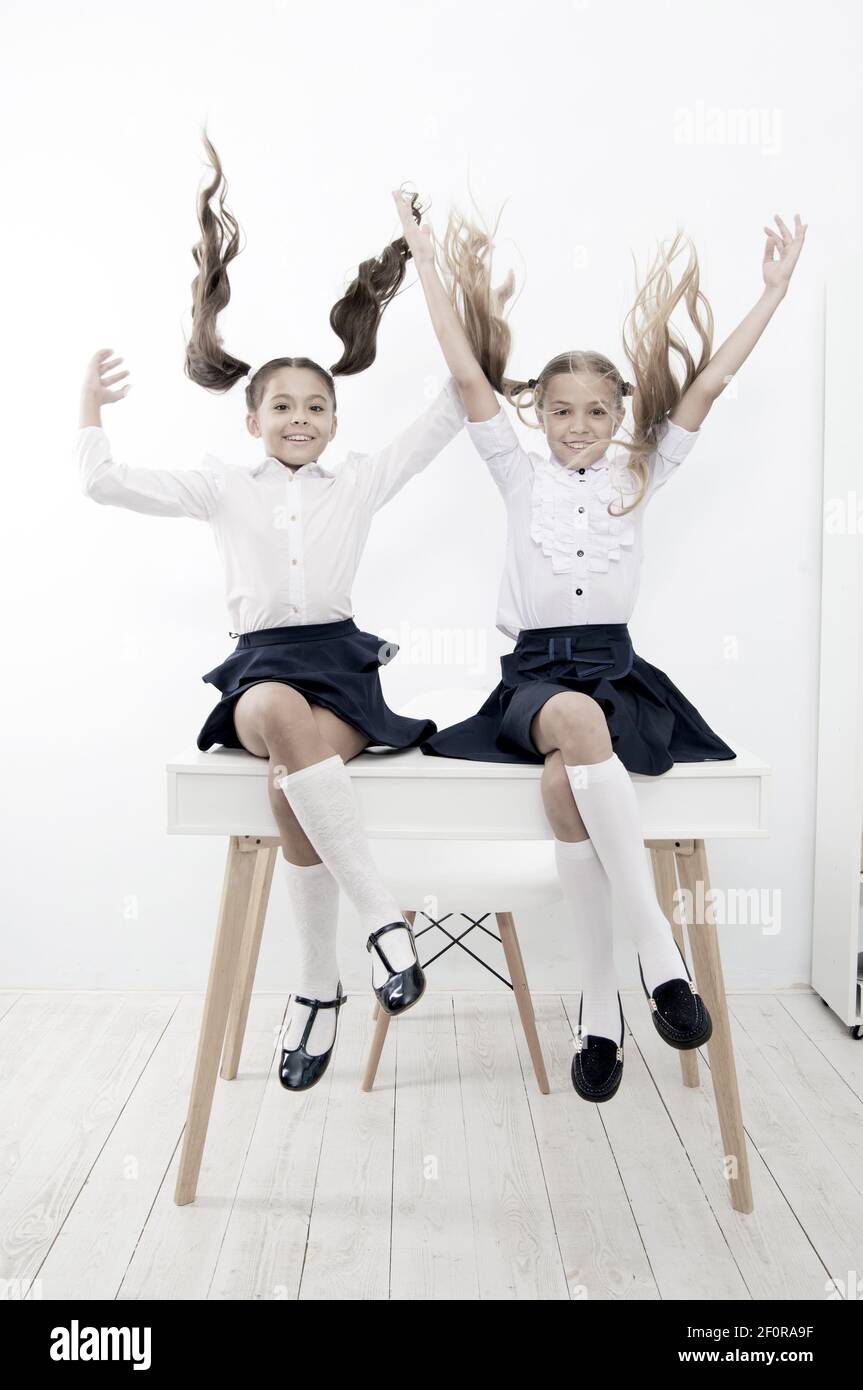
{"x": 568, "y": 561}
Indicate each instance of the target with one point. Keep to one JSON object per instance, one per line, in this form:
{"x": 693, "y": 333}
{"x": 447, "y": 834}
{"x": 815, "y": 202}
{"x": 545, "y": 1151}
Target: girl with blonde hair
{"x": 574, "y": 695}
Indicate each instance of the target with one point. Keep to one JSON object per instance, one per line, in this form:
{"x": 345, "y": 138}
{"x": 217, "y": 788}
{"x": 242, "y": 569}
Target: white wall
{"x": 604, "y": 126}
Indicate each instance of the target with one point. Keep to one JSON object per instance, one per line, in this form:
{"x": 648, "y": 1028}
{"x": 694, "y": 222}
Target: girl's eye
{"x": 600, "y": 409}
{"x": 314, "y": 407}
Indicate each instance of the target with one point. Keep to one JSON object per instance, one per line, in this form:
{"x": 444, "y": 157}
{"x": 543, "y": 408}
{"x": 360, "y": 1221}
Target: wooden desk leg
{"x": 262, "y": 878}
{"x": 518, "y": 977}
{"x": 236, "y": 888}
{"x": 665, "y": 879}
{"x": 704, "y": 942}
{"x": 380, "y": 1033}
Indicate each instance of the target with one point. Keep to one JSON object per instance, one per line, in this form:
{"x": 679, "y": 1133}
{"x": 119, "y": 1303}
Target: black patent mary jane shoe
{"x": 679, "y": 1013}
{"x": 403, "y": 988}
{"x": 299, "y": 1069}
{"x": 597, "y": 1067}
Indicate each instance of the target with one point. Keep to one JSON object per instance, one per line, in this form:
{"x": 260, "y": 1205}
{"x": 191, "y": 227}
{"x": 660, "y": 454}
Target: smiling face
{"x": 578, "y": 416}
{"x": 296, "y": 419}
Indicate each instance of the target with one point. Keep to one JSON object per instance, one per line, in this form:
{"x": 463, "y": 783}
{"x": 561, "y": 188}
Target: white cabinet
{"x": 836, "y": 936}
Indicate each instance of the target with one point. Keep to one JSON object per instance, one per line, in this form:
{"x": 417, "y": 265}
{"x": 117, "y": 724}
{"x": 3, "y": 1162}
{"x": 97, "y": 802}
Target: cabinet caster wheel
{"x": 856, "y": 1031}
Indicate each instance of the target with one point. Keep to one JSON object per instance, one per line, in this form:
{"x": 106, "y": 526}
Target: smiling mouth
{"x": 578, "y": 447}
{"x": 298, "y": 439}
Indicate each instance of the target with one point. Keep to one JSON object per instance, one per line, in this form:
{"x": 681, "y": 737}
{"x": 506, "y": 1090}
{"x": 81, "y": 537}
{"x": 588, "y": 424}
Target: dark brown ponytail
{"x": 354, "y": 318}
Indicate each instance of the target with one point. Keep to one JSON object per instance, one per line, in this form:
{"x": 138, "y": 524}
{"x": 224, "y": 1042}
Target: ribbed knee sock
{"x": 313, "y": 895}
{"x": 322, "y": 799}
{"x": 607, "y": 804}
{"x": 588, "y": 894}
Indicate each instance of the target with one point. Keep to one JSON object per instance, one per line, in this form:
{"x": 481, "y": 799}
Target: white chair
{"x": 471, "y": 879}
{"x": 420, "y": 811}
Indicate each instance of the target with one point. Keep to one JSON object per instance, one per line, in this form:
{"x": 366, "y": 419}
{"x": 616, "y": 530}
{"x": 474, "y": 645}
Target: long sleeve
{"x": 673, "y": 445}
{"x": 192, "y": 492}
{"x": 382, "y": 474}
{"x": 497, "y": 443}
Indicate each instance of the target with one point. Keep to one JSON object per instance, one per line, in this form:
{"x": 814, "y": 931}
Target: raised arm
{"x": 470, "y": 380}
{"x": 192, "y": 492}
{"x": 694, "y": 405}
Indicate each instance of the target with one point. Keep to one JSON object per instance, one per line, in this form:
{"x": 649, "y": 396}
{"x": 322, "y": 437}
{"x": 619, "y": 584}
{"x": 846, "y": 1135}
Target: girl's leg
{"x": 307, "y": 771}
{"x": 313, "y": 893}
{"x": 588, "y": 895}
{"x": 606, "y": 800}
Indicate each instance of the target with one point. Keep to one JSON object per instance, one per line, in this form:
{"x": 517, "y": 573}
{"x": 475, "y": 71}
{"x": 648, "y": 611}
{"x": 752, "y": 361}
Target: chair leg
{"x": 665, "y": 879}
{"x": 265, "y": 860}
{"x": 704, "y": 941}
{"x": 236, "y": 890}
{"x": 518, "y": 977}
{"x": 377, "y": 1046}
{"x": 380, "y": 1034}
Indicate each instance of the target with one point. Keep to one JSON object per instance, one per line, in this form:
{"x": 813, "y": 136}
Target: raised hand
{"x": 96, "y": 384}
{"x": 418, "y": 237}
{"x": 786, "y": 247}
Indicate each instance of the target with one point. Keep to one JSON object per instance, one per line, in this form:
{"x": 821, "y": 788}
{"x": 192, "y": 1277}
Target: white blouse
{"x": 568, "y": 561}
{"x": 290, "y": 540}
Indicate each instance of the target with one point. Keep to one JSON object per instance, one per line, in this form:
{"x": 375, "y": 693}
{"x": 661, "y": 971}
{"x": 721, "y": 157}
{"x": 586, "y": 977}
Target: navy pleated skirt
{"x": 651, "y": 724}
{"x": 334, "y": 665}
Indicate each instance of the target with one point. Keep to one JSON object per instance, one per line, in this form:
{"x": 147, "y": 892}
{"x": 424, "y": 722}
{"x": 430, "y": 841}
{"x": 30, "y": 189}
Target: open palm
{"x": 782, "y": 250}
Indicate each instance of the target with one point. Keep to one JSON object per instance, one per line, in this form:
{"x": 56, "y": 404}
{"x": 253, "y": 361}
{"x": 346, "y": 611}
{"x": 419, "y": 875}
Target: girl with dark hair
{"x": 301, "y": 687}
{"x": 573, "y": 694}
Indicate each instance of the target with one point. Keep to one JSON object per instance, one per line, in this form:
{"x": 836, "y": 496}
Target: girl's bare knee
{"x": 270, "y": 711}
{"x": 573, "y": 723}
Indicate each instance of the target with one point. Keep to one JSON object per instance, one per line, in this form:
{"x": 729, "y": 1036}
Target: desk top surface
{"x": 412, "y": 763}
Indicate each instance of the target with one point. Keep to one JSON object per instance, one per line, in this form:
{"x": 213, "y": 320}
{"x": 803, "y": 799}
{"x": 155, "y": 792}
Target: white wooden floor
{"x": 454, "y": 1179}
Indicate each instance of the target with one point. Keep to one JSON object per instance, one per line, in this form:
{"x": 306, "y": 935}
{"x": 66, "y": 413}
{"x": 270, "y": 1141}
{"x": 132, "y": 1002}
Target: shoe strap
{"x": 321, "y": 1003}
{"x": 374, "y": 941}
{"x": 314, "y": 1005}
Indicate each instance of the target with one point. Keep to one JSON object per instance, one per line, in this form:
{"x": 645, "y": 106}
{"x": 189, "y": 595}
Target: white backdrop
{"x": 604, "y": 127}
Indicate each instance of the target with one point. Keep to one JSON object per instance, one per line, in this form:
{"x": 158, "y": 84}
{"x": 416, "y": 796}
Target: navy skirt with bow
{"x": 334, "y": 665}
{"x": 651, "y": 724}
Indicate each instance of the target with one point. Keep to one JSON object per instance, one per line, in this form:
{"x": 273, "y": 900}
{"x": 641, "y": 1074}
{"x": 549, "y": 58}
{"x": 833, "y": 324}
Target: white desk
{"x": 408, "y": 796}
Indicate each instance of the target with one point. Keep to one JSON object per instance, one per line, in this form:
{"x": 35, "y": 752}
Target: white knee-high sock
{"x": 607, "y": 804}
{"x": 322, "y": 799}
{"x": 313, "y": 895}
{"x": 588, "y": 894}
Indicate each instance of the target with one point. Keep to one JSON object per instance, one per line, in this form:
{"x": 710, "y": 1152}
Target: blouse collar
{"x": 271, "y": 465}
{"x": 598, "y": 467}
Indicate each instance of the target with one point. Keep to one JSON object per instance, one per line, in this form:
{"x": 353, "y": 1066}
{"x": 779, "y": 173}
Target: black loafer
{"x": 404, "y": 987}
{"x": 679, "y": 1013}
{"x": 597, "y": 1067}
{"x": 299, "y": 1069}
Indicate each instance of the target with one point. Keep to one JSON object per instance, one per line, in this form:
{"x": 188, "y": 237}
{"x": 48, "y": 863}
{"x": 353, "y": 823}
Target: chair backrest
{"x": 445, "y": 706}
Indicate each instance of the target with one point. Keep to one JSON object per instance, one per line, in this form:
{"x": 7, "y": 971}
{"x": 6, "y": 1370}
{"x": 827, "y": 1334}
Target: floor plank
{"x": 453, "y": 1179}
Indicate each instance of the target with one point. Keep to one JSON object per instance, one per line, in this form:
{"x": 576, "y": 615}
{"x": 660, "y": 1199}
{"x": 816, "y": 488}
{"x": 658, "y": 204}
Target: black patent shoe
{"x": 597, "y": 1067}
{"x": 679, "y": 1013}
{"x": 299, "y": 1069}
{"x": 404, "y": 987}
